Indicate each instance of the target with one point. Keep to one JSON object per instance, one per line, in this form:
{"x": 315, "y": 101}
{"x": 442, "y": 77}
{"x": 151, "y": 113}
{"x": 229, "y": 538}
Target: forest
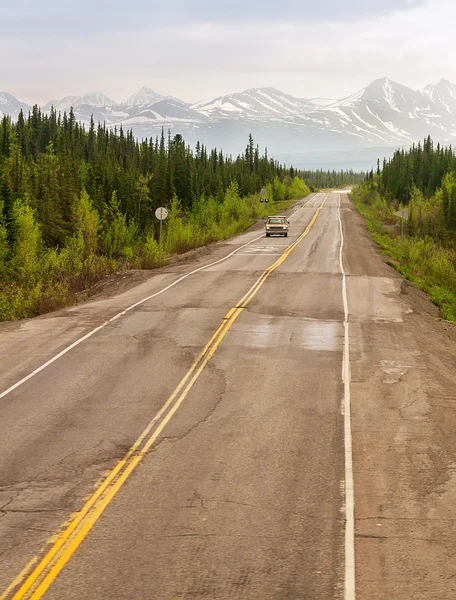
{"x": 423, "y": 245}
{"x": 77, "y": 204}
{"x": 322, "y": 179}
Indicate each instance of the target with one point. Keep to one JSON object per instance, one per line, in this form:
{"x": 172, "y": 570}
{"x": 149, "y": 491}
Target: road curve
{"x": 199, "y": 445}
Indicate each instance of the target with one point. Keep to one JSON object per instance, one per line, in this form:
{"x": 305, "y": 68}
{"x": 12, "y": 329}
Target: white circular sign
{"x": 161, "y": 213}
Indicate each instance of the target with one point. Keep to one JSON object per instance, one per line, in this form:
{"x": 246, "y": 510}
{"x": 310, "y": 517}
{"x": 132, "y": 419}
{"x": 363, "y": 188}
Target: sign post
{"x": 264, "y": 197}
{"x": 403, "y": 214}
{"x": 161, "y": 213}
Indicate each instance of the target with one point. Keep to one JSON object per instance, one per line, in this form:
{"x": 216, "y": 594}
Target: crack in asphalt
{"x": 412, "y": 519}
{"x": 368, "y": 536}
{"x": 31, "y": 511}
{"x": 272, "y": 508}
{"x": 409, "y": 405}
{"x": 26, "y": 528}
{"x": 2, "y": 508}
{"x": 224, "y": 535}
{"x": 178, "y": 438}
{"x": 12, "y": 547}
{"x": 196, "y": 495}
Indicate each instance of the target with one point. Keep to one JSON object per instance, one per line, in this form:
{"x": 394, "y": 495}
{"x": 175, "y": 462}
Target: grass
{"x": 38, "y": 280}
{"x": 424, "y": 262}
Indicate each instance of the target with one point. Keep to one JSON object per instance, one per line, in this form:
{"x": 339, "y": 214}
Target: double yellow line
{"x": 33, "y": 582}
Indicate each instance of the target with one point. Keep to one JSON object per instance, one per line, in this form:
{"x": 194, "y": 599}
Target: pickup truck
{"x": 277, "y": 225}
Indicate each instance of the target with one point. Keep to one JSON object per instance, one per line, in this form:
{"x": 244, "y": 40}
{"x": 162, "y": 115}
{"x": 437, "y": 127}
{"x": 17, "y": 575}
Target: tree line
{"x": 77, "y": 203}
{"x": 423, "y": 245}
{"x": 51, "y": 158}
{"x": 422, "y": 178}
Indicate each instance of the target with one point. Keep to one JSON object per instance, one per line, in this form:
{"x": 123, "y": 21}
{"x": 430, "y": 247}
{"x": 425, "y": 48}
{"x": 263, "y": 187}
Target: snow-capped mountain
{"x": 97, "y": 99}
{"x": 143, "y": 97}
{"x": 91, "y": 100}
{"x": 443, "y": 94}
{"x": 256, "y": 103}
{"x": 386, "y": 112}
{"x": 64, "y": 104}
{"x": 9, "y": 105}
{"x": 383, "y": 115}
{"x": 322, "y": 101}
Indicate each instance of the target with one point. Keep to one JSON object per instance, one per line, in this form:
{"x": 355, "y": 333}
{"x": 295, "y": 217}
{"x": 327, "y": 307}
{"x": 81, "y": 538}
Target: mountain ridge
{"x": 382, "y": 114}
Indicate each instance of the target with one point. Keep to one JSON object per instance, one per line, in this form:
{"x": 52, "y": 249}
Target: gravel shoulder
{"x": 404, "y": 427}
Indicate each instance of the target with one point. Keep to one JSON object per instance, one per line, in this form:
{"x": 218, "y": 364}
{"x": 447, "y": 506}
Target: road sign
{"x": 403, "y": 214}
{"x": 264, "y": 195}
{"x": 161, "y": 213}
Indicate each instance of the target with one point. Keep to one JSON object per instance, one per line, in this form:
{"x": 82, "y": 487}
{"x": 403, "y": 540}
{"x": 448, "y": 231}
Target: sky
{"x": 200, "y": 49}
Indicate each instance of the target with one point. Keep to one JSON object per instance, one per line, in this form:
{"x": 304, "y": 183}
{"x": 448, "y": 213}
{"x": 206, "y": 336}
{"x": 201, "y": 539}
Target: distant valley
{"x": 347, "y": 133}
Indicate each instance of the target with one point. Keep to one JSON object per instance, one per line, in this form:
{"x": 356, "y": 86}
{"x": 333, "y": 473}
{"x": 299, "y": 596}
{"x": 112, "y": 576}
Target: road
{"x": 200, "y": 444}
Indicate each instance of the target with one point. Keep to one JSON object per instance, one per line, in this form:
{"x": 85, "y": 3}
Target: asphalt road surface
{"x": 200, "y": 444}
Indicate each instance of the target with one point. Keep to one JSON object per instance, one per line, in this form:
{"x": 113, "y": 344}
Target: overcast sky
{"x": 203, "y": 48}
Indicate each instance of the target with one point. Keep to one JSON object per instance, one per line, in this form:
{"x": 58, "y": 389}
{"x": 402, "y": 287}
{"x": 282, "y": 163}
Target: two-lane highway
{"x": 253, "y": 454}
{"x": 199, "y": 444}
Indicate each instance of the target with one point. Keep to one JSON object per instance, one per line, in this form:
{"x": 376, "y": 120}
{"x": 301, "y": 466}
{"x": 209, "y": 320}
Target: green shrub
{"x": 422, "y": 260}
{"x": 37, "y": 279}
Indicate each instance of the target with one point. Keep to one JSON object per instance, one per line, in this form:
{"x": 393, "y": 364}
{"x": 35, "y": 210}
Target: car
{"x": 277, "y": 224}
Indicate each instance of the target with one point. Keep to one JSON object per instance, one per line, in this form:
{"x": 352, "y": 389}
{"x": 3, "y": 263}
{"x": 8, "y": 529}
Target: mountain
{"x": 322, "y": 101}
{"x": 386, "y": 112}
{"x": 442, "y": 94}
{"x": 256, "y": 104}
{"x": 9, "y": 105}
{"x": 145, "y": 96}
{"x": 319, "y": 132}
{"x": 97, "y": 99}
{"x": 91, "y": 100}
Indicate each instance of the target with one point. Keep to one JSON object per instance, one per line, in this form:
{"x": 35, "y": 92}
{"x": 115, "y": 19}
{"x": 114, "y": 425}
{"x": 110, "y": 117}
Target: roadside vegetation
{"x": 78, "y": 205}
{"x": 422, "y": 247}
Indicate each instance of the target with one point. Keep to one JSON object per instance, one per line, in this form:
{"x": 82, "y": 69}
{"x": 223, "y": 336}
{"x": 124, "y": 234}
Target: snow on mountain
{"x": 384, "y": 114}
{"x": 97, "y": 99}
{"x": 145, "y": 96}
{"x": 322, "y": 101}
{"x": 170, "y": 108}
{"x": 165, "y": 113}
{"x": 388, "y": 112}
{"x": 92, "y": 99}
{"x": 9, "y": 105}
{"x": 443, "y": 94}
{"x": 64, "y": 104}
{"x": 7, "y": 99}
{"x": 256, "y": 103}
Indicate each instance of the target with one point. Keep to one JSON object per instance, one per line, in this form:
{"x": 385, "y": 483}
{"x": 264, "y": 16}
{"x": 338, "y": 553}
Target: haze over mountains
{"x": 350, "y": 132}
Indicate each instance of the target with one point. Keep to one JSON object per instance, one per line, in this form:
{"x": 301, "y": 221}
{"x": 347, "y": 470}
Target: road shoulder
{"x": 404, "y": 429}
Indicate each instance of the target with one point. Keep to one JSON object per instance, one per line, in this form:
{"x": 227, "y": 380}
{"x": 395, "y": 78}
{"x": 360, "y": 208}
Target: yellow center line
{"x": 40, "y": 573}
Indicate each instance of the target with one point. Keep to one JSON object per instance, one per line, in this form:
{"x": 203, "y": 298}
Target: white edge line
{"x": 350, "y": 583}
{"x": 128, "y": 309}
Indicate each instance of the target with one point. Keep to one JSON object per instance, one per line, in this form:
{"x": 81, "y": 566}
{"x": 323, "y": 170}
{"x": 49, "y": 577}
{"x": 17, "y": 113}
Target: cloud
{"x": 285, "y": 10}
{"x": 76, "y": 19}
{"x": 196, "y": 60}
